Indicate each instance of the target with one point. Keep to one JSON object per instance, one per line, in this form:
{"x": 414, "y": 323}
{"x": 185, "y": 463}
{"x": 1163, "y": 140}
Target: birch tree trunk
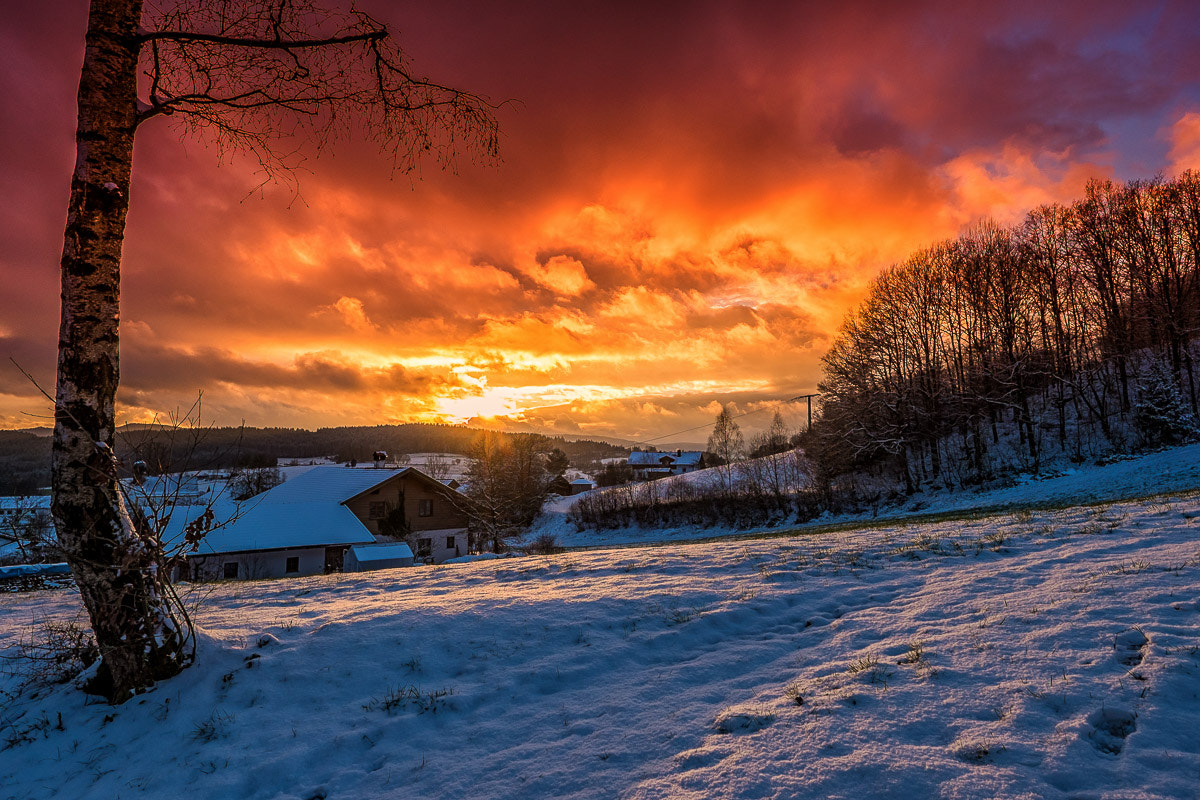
{"x": 113, "y": 561}
{"x": 304, "y": 68}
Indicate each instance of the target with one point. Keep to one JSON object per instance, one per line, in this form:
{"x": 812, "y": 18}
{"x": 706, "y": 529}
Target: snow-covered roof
{"x": 30, "y": 570}
{"x": 277, "y": 526}
{"x": 582, "y": 482}
{"x": 304, "y": 511}
{"x": 381, "y": 552}
{"x": 329, "y": 484}
{"x": 689, "y": 458}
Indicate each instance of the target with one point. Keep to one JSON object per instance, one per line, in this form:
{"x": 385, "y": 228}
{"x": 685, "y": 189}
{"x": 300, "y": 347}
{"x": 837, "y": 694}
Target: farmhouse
{"x": 305, "y": 525}
{"x": 646, "y": 465}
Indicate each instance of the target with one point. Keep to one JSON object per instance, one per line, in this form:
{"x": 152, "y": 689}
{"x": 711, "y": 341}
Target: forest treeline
{"x": 1071, "y": 336}
{"x": 25, "y": 456}
{"x": 1071, "y": 333}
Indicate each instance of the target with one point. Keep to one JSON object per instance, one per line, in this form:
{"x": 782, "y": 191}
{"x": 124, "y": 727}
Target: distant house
{"x": 21, "y": 508}
{"x": 646, "y": 465}
{"x": 581, "y": 485}
{"x": 26, "y": 520}
{"x": 305, "y": 525}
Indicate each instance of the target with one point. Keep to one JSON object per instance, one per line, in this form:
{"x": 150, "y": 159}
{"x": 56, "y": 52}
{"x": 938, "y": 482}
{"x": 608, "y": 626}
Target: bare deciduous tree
{"x": 254, "y": 75}
{"x": 1058, "y": 324}
{"x": 506, "y": 485}
{"x": 247, "y": 483}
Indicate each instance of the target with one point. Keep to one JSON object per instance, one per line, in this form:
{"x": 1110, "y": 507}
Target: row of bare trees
{"x": 993, "y": 350}
{"x": 752, "y": 492}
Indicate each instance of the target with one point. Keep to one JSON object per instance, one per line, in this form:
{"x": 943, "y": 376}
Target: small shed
{"x": 365, "y": 557}
{"x": 581, "y": 485}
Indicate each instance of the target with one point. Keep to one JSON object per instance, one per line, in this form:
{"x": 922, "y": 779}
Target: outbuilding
{"x": 366, "y": 557}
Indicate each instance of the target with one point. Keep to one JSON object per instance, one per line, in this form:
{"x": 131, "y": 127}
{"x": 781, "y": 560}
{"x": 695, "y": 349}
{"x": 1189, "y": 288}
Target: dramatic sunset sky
{"x": 691, "y": 197}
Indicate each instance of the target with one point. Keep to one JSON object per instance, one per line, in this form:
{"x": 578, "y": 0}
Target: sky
{"x": 691, "y": 197}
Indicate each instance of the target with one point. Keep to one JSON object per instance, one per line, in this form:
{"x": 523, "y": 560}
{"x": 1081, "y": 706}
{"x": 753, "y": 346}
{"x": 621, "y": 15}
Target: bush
{"x": 544, "y": 545}
{"x": 53, "y": 652}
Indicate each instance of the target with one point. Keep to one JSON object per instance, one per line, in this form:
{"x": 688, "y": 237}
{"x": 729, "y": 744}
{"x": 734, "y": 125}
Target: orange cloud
{"x": 1185, "y": 143}
{"x": 682, "y": 217}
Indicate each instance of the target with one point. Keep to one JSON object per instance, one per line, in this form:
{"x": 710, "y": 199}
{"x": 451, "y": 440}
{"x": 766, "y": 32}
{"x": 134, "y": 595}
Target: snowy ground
{"x": 1046, "y": 654}
{"x": 1173, "y": 470}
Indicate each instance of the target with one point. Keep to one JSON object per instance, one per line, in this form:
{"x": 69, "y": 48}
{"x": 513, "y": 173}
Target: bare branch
{"x": 254, "y": 74}
{"x": 269, "y": 44}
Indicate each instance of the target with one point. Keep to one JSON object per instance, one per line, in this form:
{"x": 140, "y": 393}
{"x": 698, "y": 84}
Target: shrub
{"x": 544, "y": 545}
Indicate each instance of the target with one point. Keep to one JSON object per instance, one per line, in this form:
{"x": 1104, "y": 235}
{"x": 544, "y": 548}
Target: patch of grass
{"x": 14, "y": 734}
{"x": 214, "y": 728}
{"x": 993, "y": 541}
{"x": 1132, "y": 567}
{"x": 869, "y": 668}
{"x": 403, "y": 698}
{"x": 678, "y": 616}
{"x": 745, "y": 594}
{"x": 863, "y": 664}
{"x": 915, "y": 654}
{"x": 978, "y": 752}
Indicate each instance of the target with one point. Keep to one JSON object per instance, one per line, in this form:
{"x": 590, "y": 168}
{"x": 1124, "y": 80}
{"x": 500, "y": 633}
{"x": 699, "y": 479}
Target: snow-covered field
{"x": 1049, "y": 654}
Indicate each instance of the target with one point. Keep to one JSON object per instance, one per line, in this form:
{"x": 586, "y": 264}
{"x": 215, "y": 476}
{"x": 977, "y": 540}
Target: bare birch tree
{"x": 256, "y": 76}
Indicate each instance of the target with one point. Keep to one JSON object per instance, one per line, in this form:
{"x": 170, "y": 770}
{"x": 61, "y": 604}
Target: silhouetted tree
{"x": 506, "y": 485}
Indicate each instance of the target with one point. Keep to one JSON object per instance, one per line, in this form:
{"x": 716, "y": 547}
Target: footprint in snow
{"x": 1130, "y": 646}
{"x": 744, "y": 719}
{"x": 1108, "y": 728}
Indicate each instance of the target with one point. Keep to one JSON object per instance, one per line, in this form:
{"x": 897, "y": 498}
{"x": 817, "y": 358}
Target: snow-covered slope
{"x": 1045, "y": 654}
{"x": 1172, "y": 470}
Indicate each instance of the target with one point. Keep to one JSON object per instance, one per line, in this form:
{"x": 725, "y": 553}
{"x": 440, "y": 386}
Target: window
{"x": 424, "y": 508}
{"x": 424, "y": 547}
{"x": 231, "y": 569}
{"x": 293, "y": 564}
{"x": 449, "y": 542}
{"x": 376, "y": 510}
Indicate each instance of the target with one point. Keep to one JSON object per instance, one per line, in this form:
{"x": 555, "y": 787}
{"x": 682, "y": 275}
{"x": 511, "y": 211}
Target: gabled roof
{"x": 330, "y": 484}
{"x": 303, "y": 511}
{"x": 308, "y": 510}
{"x": 406, "y": 472}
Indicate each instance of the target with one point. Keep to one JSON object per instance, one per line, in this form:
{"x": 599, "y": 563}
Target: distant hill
{"x": 25, "y": 454}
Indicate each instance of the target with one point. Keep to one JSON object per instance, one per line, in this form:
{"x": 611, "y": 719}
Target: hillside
{"x": 25, "y": 455}
{"x": 1175, "y": 469}
{"x": 1030, "y": 654}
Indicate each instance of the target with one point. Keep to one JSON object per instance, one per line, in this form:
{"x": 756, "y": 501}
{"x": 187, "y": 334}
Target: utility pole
{"x": 809, "y": 398}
